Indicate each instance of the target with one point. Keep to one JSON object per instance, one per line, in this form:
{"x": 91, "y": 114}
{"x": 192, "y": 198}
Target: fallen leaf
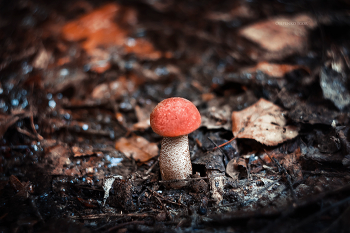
{"x": 240, "y": 11}
{"x": 137, "y": 147}
{"x": 22, "y": 189}
{"x": 122, "y": 86}
{"x": 98, "y": 30}
{"x": 263, "y": 122}
{"x": 59, "y": 79}
{"x": 274, "y": 70}
{"x": 216, "y": 118}
{"x": 234, "y": 166}
{"x": 281, "y": 36}
{"x": 78, "y": 152}
{"x": 141, "y": 125}
{"x": 143, "y": 116}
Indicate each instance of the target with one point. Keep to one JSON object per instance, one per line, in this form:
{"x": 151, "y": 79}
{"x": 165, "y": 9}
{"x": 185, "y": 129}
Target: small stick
{"x": 223, "y": 152}
{"x": 224, "y": 144}
{"x": 151, "y": 168}
{"x": 138, "y": 199}
{"x": 25, "y": 132}
{"x": 166, "y": 200}
{"x": 40, "y": 138}
{"x": 161, "y": 203}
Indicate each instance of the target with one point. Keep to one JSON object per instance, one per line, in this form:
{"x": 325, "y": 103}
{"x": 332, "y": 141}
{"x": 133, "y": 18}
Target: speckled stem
{"x": 174, "y": 159}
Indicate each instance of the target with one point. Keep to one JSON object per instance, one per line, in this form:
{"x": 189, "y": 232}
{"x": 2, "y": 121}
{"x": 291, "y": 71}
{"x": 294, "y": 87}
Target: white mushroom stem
{"x": 174, "y": 159}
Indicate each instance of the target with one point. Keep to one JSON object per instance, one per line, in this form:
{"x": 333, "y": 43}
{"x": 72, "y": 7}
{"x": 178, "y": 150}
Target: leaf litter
{"x": 264, "y": 122}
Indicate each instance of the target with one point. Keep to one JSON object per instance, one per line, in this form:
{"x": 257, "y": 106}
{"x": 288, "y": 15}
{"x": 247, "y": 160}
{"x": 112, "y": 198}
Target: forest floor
{"x": 79, "y": 79}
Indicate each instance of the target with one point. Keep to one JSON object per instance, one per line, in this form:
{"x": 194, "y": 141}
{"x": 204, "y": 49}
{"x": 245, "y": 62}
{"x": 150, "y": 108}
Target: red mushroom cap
{"x": 175, "y": 117}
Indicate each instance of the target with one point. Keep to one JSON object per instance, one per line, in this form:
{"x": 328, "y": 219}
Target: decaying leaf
{"x": 143, "y": 114}
{"x": 98, "y": 29}
{"x": 263, "y": 122}
{"x": 78, "y": 151}
{"x": 232, "y": 168}
{"x": 57, "y": 155}
{"x": 122, "y": 86}
{"x": 137, "y": 147}
{"x": 280, "y": 36}
{"x": 216, "y": 118}
{"x": 273, "y": 69}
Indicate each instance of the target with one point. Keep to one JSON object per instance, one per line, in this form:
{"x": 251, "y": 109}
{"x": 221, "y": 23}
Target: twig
{"x": 166, "y": 200}
{"x": 267, "y": 187}
{"x": 138, "y": 199}
{"x": 224, "y": 144}
{"x": 151, "y": 168}
{"x": 223, "y": 152}
{"x": 39, "y": 137}
{"x": 161, "y": 203}
{"x": 25, "y": 132}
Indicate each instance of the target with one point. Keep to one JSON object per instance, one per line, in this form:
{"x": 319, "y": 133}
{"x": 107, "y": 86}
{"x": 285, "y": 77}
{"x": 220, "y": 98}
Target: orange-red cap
{"x": 175, "y": 117}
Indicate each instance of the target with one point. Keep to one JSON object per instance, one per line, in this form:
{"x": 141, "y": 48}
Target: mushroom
{"x": 174, "y": 119}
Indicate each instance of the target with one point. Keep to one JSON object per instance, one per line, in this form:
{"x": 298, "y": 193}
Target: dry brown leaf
{"x": 137, "y": 147}
{"x": 263, "y": 122}
{"x": 143, "y": 116}
{"x": 78, "y": 151}
{"x": 274, "y": 70}
{"x": 281, "y": 36}
{"x": 216, "y": 118}
{"x": 98, "y": 29}
{"x": 240, "y": 11}
{"x": 58, "y": 156}
{"x": 122, "y": 86}
{"x": 233, "y": 167}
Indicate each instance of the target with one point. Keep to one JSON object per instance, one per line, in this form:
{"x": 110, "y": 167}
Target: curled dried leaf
{"x": 233, "y": 167}
{"x": 264, "y": 122}
{"x": 137, "y": 147}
